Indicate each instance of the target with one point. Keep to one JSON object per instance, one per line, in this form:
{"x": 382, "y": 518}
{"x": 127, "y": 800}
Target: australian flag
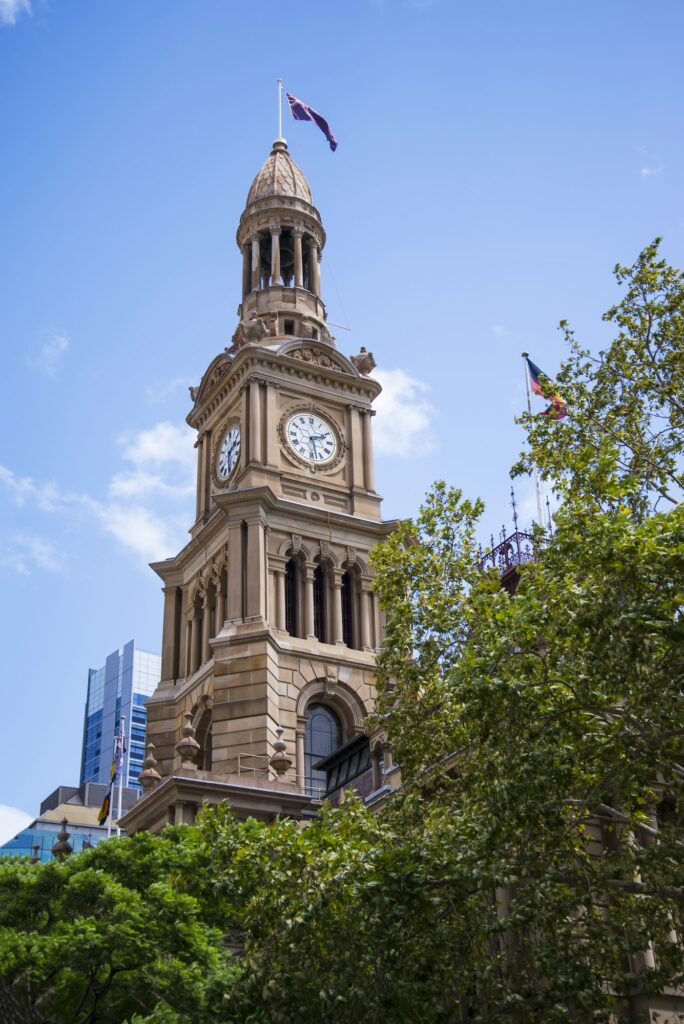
{"x": 303, "y": 112}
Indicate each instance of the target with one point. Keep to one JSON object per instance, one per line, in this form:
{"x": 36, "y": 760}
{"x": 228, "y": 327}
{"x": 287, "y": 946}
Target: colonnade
{"x": 253, "y": 267}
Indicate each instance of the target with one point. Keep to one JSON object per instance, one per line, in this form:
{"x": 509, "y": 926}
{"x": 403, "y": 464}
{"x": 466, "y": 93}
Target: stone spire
{"x": 281, "y": 238}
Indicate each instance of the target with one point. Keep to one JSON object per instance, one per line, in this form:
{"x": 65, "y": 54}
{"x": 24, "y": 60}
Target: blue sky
{"x": 495, "y": 161}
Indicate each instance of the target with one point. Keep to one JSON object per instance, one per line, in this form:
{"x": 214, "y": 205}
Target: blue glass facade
{"x": 118, "y": 689}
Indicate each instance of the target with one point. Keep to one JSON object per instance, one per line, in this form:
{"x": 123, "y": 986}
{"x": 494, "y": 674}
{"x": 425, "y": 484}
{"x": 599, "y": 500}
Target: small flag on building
{"x": 543, "y": 385}
{"x": 303, "y": 112}
{"x": 106, "y": 806}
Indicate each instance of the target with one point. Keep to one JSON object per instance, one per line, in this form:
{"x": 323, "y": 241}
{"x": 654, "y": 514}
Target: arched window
{"x": 348, "y": 594}
{"x": 323, "y": 735}
{"x": 320, "y": 585}
{"x": 292, "y": 597}
{"x": 204, "y": 738}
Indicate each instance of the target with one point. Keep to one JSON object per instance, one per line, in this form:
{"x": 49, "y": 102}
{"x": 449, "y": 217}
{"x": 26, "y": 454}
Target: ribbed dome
{"x": 279, "y": 176}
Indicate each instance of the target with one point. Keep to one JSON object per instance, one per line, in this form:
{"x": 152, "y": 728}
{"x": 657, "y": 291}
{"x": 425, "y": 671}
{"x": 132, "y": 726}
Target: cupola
{"x": 281, "y": 238}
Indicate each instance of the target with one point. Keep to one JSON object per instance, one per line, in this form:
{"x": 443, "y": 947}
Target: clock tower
{"x": 270, "y": 621}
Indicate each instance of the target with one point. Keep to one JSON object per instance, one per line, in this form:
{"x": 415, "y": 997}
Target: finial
{"x": 279, "y": 760}
{"x": 36, "y": 855}
{"x": 187, "y": 746}
{"x": 149, "y": 777}
{"x": 62, "y": 849}
{"x": 548, "y": 515}
{"x": 515, "y": 509}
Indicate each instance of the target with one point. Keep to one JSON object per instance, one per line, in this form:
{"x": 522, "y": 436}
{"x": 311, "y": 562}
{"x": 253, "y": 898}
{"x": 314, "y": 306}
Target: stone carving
{"x": 364, "y": 362}
{"x": 279, "y": 760}
{"x": 187, "y": 746}
{"x": 149, "y": 777}
{"x": 296, "y": 543}
{"x": 194, "y": 392}
{"x": 313, "y": 356}
{"x": 249, "y": 332}
{"x": 325, "y": 549}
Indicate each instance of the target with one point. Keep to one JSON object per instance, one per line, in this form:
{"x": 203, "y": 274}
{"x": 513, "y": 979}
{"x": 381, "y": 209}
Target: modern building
{"x": 271, "y": 625}
{"x": 120, "y": 688}
{"x": 79, "y": 806}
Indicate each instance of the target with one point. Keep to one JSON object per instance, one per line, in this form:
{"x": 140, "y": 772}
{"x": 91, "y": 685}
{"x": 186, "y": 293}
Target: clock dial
{"x": 311, "y": 438}
{"x": 229, "y": 453}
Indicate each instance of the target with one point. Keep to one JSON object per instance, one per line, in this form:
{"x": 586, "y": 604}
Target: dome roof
{"x": 279, "y": 176}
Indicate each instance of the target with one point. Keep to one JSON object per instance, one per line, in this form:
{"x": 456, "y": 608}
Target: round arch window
{"x": 323, "y": 735}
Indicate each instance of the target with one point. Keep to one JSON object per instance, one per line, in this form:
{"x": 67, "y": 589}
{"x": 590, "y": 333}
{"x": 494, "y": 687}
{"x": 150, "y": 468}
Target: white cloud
{"x": 162, "y": 444}
{"x": 139, "y": 509}
{"x": 650, "y": 172}
{"x": 11, "y": 9}
{"x": 404, "y": 415}
{"x": 12, "y": 821}
{"x": 49, "y": 359}
{"x": 155, "y": 396}
{"x": 499, "y": 330}
{"x": 26, "y": 552}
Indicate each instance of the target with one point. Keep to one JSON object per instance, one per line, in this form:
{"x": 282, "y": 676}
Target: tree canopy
{"x": 530, "y": 867}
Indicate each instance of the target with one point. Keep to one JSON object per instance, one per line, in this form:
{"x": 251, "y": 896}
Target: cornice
{"x": 275, "y": 368}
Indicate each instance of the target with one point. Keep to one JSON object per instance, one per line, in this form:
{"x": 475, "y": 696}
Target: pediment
{"x": 317, "y": 354}
{"x": 216, "y": 369}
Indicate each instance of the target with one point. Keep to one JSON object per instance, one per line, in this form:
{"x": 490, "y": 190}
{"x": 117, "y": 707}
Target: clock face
{"x": 311, "y": 438}
{"x": 229, "y": 453}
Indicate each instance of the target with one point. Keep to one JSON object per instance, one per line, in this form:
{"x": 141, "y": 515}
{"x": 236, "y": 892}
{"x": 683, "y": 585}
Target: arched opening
{"x": 321, "y": 585}
{"x": 322, "y": 736}
{"x": 292, "y": 597}
{"x": 203, "y": 735}
{"x": 351, "y": 609}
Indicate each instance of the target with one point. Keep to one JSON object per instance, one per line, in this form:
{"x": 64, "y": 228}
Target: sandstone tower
{"x": 270, "y": 622}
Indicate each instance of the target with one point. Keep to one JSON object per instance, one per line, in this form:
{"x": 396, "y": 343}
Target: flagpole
{"x": 122, "y": 737}
{"x": 109, "y": 816}
{"x": 537, "y": 482}
{"x": 280, "y": 110}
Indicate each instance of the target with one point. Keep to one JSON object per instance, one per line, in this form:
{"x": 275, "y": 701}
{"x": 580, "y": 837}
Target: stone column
{"x": 199, "y": 445}
{"x": 194, "y": 641}
{"x": 169, "y": 654}
{"x": 297, "y": 233}
{"x": 234, "y": 597}
{"x": 365, "y": 616}
{"x": 206, "y": 629}
{"x": 246, "y": 269}
{"x": 280, "y": 598}
{"x": 254, "y": 421}
{"x": 256, "y": 263}
{"x": 299, "y": 744}
{"x": 275, "y": 253}
{"x": 313, "y": 266}
{"x": 368, "y": 467}
{"x": 219, "y": 620}
{"x": 255, "y": 578}
{"x": 309, "y": 601}
{"x": 338, "y": 631}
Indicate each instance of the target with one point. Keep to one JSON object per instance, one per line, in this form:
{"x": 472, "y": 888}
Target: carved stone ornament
{"x": 364, "y": 362}
{"x": 325, "y": 549}
{"x": 187, "y": 746}
{"x": 351, "y": 555}
{"x": 315, "y": 357}
{"x": 296, "y": 543}
{"x": 219, "y": 434}
{"x": 292, "y": 456}
{"x": 249, "y": 332}
{"x": 149, "y": 777}
{"x": 279, "y": 760}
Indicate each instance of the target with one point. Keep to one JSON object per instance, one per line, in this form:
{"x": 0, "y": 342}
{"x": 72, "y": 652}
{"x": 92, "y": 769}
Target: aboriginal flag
{"x": 542, "y": 385}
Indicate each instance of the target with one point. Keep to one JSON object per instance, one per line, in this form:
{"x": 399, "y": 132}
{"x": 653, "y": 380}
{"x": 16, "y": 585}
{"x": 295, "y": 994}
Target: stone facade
{"x": 269, "y": 607}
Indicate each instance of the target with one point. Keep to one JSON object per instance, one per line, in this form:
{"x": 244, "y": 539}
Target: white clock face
{"x": 311, "y": 438}
{"x": 229, "y": 453}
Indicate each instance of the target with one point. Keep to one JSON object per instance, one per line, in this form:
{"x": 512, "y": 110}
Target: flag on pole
{"x": 303, "y": 112}
{"x": 558, "y": 408}
{"x": 106, "y": 806}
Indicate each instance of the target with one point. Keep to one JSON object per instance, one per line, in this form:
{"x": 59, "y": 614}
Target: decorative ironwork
{"x": 512, "y": 549}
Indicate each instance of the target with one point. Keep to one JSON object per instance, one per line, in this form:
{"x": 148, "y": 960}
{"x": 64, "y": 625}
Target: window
{"x": 323, "y": 735}
{"x": 292, "y": 597}
{"x": 289, "y": 327}
{"x": 320, "y": 585}
{"x": 348, "y": 608}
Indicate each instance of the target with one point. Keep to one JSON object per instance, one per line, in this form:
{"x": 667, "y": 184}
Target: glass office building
{"x": 119, "y": 688}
